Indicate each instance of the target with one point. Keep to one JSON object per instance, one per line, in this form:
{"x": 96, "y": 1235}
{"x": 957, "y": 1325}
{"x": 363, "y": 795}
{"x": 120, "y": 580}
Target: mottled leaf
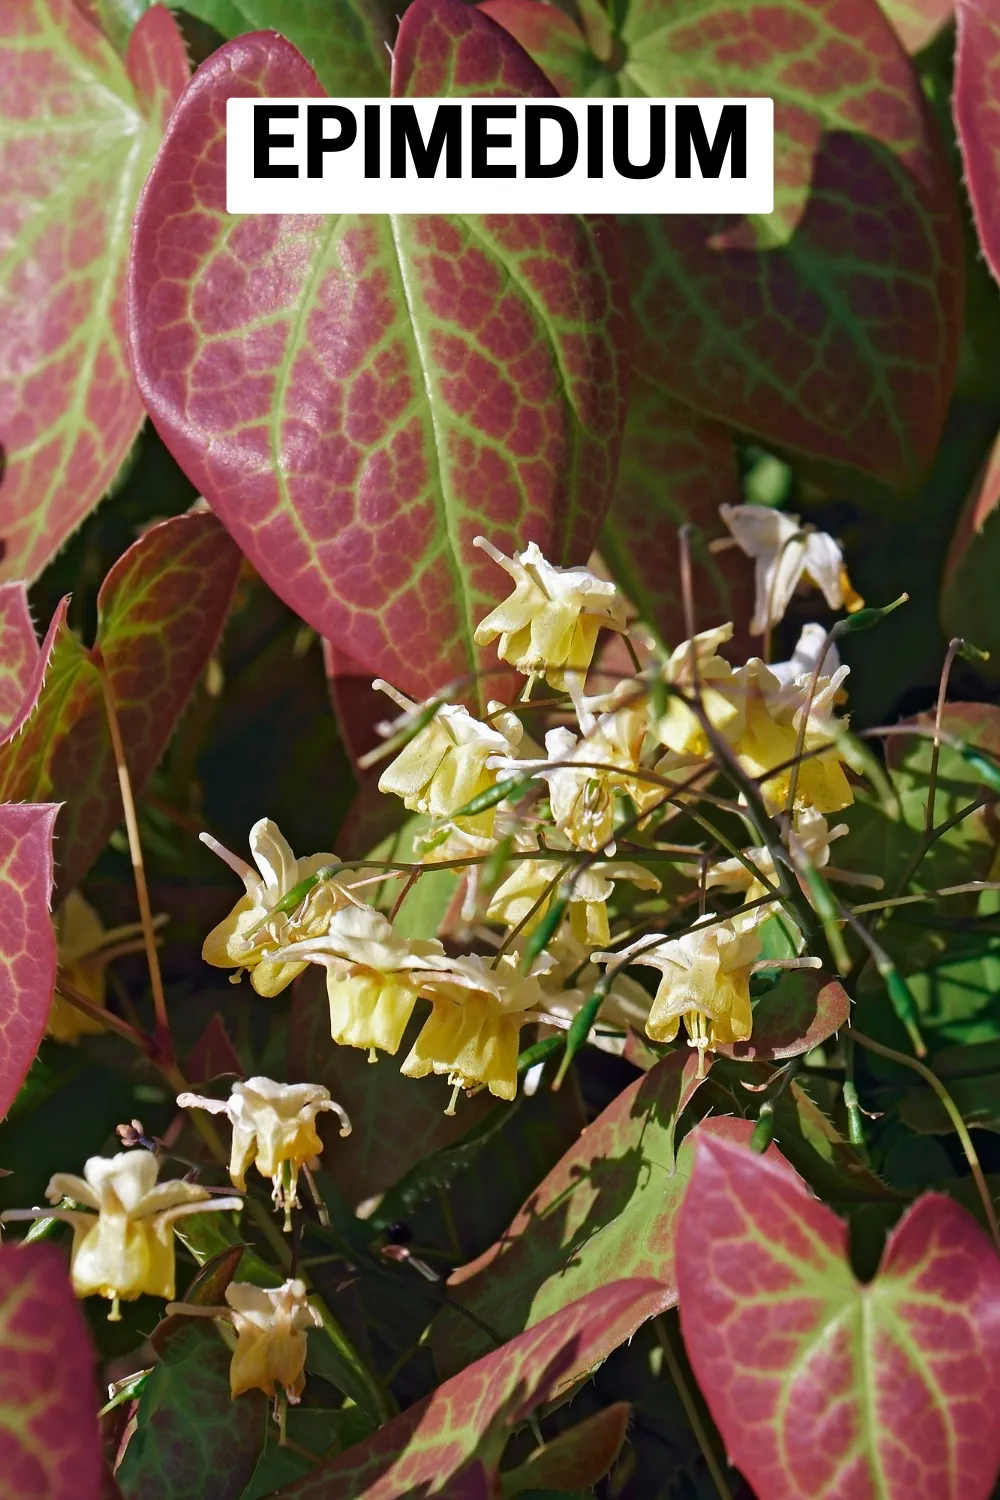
{"x": 49, "y": 1443}
{"x": 607, "y": 1209}
{"x": 823, "y": 1386}
{"x": 345, "y": 42}
{"x": 803, "y": 1009}
{"x": 821, "y": 1155}
{"x": 830, "y": 327}
{"x": 161, "y": 609}
{"x": 397, "y": 1122}
{"x": 968, "y": 587}
{"x": 78, "y": 130}
{"x": 676, "y": 467}
{"x": 359, "y": 397}
{"x": 976, "y": 101}
{"x": 28, "y": 959}
{"x": 191, "y": 1438}
{"x": 18, "y": 651}
{"x": 431, "y": 1441}
{"x": 576, "y": 1458}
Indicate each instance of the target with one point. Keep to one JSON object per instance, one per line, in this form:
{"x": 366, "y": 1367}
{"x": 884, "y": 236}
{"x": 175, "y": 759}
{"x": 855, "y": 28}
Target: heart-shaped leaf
{"x": 191, "y": 1438}
{"x": 357, "y": 398}
{"x": 803, "y": 1009}
{"x": 435, "y": 1438}
{"x": 346, "y": 41}
{"x": 49, "y": 1442}
{"x": 28, "y": 966}
{"x": 730, "y": 313}
{"x": 18, "y": 651}
{"x": 608, "y": 1208}
{"x": 976, "y": 102}
{"x": 676, "y": 467}
{"x": 823, "y": 1386}
{"x": 78, "y": 131}
{"x": 161, "y": 609}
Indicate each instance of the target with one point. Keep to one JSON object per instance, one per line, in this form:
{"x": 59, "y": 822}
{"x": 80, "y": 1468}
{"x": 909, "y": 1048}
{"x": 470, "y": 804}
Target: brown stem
{"x": 79, "y": 1001}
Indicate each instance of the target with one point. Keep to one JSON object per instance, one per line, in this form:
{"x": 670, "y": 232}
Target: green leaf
{"x": 345, "y": 42}
{"x": 191, "y": 1438}
{"x": 580, "y": 1456}
{"x": 78, "y": 132}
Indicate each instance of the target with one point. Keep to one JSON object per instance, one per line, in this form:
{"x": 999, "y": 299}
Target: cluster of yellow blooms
{"x": 535, "y": 830}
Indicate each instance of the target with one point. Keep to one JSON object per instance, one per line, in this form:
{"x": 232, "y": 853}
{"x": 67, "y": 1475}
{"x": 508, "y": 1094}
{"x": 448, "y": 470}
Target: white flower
{"x": 552, "y": 619}
{"x": 274, "y": 1125}
{"x": 809, "y": 844}
{"x": 785, "y": 554}
{"x": 271, "y": 1326}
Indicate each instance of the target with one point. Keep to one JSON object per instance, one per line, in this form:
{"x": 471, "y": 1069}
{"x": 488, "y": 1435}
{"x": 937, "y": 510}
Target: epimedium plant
{"x": 613, "y": 1114}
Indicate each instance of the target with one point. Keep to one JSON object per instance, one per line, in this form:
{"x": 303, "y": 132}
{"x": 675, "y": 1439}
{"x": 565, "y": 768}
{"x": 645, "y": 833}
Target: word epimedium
{"x": 499, "y": 155}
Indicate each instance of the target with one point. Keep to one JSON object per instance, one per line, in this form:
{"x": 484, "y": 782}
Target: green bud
{"x": 494, "y": 794}
{"x": 763, "y": 1131}
{"x": 864, "y": 619}
{"x": 544, "y": 932}
{"x": 538, "y": 1052}
{"x": 579, "y": 1031}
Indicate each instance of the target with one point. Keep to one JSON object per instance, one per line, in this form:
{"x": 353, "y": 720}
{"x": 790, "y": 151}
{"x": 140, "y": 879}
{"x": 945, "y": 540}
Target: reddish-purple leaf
{"x": 161, "y": 609}
{"x": 825, "y": 1388}
{"x": 676, "y": 467}
{"x": 577, "y": 1458}
{"x": 803, "y": 1009}
{"x": 433, "y": 1440}
{"x": 555, "y": 42}
{"x": 49, "y": 1442}
{"x": 608, "y": 1208}
{"x": 357, "y": 706}
{"x": 18, "y": 651}
{"x": 359, "y": 397}
{"x": 78, "y": 130}
{"x": 917, "y": 22}
{"x": 977, "y": 116}
{"x": 213, "y": 1055}
{"x": 28, "y": 959}
{"x": 831, "y": 326}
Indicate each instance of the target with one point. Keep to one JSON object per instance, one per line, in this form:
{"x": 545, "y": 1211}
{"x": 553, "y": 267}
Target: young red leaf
{"x": 577, "y": 1458}
{"x": 729, "y": 316}
{"x": 976, "y": 104}
{"x": 359, "y": 397}
{"x": 608, "y": 1208}
{"x": 675, "y": 467}
{"x": 803, "y": 1009}
{"x": 18, "y": 651}
{"x": 77, "y": 135}
{"x": 28, "y": 967}
{"x": 160, "y": 610}
{"x": 49, "y": 1442}
{"x": 432, "y": 1440}
{"x": 823, "y": 1386}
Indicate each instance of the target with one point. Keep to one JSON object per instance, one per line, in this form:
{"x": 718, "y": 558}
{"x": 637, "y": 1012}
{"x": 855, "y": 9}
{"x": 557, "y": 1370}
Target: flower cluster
{"x": 555, "y": 812}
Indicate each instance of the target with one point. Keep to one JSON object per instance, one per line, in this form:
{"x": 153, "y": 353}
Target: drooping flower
{"x": 271, "y": 1326}
{"x": 274, "y": 1127}
{"x": 551, "y": 621}
{"x": 373, "y": 976}
{"x": 809, "y": 843}
{"x": 705, "y": 980}
{"x": 586, "y": 772}
{"x": 86, "y": 947}
{"x": 123, "y": 1230}
{"x": 249, "y": 937}
{"x": 787, "y": 554}
{"x": 697, "y": 670}
{"x": 774, "y": 713}
{"x": 472, "y": 1034}
{"x": 443, "y": 767}
{"x": 588, "y": 908}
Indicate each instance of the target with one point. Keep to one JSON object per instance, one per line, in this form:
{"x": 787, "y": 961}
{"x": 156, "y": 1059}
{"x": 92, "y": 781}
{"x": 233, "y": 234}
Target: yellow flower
{"x": 552, "y": 619}
{"x": 271, "y": 1326}
{"x": 787, "y": 554}
{"x": 444, "y": 766}
{"x": 472, "y": 1034}
{"x": 705, "y": 980}
{"x": 809, "y": 843}
{"x": 585, "y": 772}
{"x": 123, "y": 1235}
{"x": 248, "y": 938}
{"x": 373, "y": 977}
{"x": 274, "y": 1126}
{"x": 588, "y": 909}
{"x": 680, "y": 729}
{"x": 773, "y": 717}
{"x": 85, "y": 949}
